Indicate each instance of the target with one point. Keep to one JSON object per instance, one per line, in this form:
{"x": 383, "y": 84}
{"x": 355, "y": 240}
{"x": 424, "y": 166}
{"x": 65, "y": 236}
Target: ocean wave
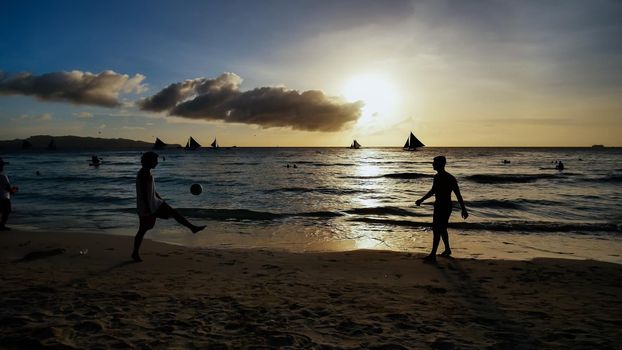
{"x": 506, "y": 226}
{"x": 356, "y": 177}
{"x": 87, "y": 178}
{"x": 319, "y": 214}
{"x": 81, "y": 198}
{"x": 241, "y": 163}
{"x": 105, "y": 162}
{"x": 494, "y": 203}
{"x": 229, "y": 214}
{"x": 322, "y": 190}
{"x": 382, "y": 211}
{"x": 247, "y": 214}
{"x": 333, "y": 164}
{"x": 509, "y": 204}
{"x": 398, "y": 162}
{"x": 241, "y": 214}
{"x": 610, "y": 178}
{"x": 509, "y": 178}
{"x": 406, "y": 175}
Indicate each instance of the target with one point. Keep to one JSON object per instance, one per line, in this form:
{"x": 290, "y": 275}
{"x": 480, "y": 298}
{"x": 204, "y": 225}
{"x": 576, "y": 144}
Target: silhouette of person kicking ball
{"x": 444, "y": 184}
{"x": 150, "y": 205}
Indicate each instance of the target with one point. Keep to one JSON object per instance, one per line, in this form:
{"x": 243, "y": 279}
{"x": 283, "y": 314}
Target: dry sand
{"x": 53, "y": 297}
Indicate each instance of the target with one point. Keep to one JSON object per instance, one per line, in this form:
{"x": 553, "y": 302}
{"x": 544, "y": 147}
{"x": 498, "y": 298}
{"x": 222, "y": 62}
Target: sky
{"x": 315, "y": 73}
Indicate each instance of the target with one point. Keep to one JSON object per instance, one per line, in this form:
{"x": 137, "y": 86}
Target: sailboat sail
{"x": 412, "y": 143}
{"x": 192, "y": 144}
{"x": 159, "y": 144}
{"x": 215, "y": 144}
{"x": 355, "y": 145}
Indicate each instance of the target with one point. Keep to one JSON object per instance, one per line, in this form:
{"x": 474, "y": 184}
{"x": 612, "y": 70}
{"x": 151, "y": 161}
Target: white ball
{"x": 196, "y": 189}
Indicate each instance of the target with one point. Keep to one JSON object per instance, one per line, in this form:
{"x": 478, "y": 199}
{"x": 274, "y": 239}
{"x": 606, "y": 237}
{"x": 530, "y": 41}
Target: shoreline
{"x": 232, "y": 298}
{"x": 474, "y": 244}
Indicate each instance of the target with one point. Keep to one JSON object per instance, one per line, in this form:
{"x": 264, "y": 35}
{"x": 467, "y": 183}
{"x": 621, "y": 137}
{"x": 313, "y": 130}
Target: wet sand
{"x": 54, "y": 297}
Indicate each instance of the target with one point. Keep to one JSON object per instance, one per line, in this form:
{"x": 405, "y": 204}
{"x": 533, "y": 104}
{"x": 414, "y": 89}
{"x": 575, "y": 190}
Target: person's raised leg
{"x": 182, "y": 220}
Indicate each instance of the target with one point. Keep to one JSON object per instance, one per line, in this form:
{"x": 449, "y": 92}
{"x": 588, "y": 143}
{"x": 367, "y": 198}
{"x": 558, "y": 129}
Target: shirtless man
{"x": 150, "y": 205}
{"x": 444, "y": 184}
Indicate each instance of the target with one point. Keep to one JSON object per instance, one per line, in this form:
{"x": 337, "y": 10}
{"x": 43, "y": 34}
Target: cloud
{"x": 76, "y": 87}
{"x": 40, "y": 117}
{"x": 132, "y": 128}
{"x": 84, "y": 115}
{"x": 221, "y": 99}
{"x": 44, "y": 117}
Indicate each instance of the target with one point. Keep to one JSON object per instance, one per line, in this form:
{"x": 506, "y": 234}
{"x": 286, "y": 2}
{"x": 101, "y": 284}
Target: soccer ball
{"x": 196, "y": 189}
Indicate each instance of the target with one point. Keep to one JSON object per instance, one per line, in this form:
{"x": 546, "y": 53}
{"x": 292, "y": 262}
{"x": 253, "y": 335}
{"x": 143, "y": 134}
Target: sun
{"x": 377, "y": 92}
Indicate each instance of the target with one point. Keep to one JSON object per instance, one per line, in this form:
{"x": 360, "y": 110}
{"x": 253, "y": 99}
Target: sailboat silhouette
{"x": 159, "y": 144}
{"x": 192, "y": 144}
{"x": 355, "y": 145}
{"x": 215, "y": 144}
{"x": 412, "y": 143}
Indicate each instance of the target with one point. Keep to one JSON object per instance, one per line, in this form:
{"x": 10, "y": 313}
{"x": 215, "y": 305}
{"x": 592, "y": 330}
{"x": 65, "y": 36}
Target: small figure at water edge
{"x": 559, "y": 166}
{"x": 5, "y": 197}
{"x": 150, "y": 205}
{"x": 95, "y": 161}
{"x": 444, "y": 183}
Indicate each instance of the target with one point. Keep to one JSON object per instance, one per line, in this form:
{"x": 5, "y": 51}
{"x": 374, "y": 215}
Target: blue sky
{"x": 455, "y": 72}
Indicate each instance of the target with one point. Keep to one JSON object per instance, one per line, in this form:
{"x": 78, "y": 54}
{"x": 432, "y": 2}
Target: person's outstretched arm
{"x": 465, "y": 214}
{"x": 427, "y": 195}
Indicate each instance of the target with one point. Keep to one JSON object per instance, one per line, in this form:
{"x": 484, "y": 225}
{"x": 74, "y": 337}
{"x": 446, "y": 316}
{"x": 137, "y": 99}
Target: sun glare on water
{"x": 378, "y": 94}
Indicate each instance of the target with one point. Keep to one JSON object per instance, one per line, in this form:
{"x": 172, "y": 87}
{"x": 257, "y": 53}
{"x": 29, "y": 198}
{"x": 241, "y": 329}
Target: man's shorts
{"x": 163, "y": 212}
{"x": 441, "y": 217}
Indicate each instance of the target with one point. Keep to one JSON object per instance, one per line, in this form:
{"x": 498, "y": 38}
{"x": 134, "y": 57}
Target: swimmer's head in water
{"x": 439, "y": 163}
{"x": 149, "y": 159}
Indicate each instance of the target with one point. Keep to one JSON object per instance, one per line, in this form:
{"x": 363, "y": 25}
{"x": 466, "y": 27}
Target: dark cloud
{"x": 76, "y": 87}
{"x": 221, "y": 99}
{"x": 170, "y": 96}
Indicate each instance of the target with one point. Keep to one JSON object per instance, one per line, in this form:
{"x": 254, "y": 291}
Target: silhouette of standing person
{"x": 150, "y": 205}
{"x": 5, "y": 197}
{"x": 444, "y": 184}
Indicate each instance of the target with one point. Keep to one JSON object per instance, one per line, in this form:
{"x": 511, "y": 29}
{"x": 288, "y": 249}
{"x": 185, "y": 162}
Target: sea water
{"x": 327, "y": 199}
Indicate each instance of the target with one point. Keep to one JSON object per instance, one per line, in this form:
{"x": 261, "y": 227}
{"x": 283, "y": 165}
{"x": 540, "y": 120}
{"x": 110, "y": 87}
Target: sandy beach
{"x": 55, "y": 297}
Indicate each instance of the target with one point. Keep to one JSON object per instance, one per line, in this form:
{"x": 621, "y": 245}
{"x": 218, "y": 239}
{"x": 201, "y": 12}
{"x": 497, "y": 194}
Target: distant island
{"x": 74, "y": 143}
